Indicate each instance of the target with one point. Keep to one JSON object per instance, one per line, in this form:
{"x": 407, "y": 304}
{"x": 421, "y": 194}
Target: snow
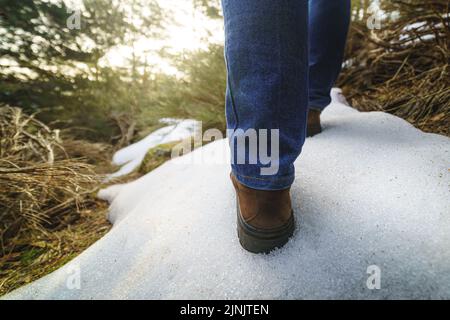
{"x": 372, "y": 192}
{"x": 132, "y": 156}
{"x": 418, "y": 27}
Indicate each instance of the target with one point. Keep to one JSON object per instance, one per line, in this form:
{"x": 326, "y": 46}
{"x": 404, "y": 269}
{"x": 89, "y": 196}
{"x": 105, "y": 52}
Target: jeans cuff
{"x": 269, "y": 183}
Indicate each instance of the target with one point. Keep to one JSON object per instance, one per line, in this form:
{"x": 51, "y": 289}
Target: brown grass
{"x": 403, "y": 68}
{"x": 48, "y": 210}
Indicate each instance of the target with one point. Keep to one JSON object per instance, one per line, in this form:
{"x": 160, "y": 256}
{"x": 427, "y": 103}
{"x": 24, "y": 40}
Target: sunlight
{"x": 191, "y": 31}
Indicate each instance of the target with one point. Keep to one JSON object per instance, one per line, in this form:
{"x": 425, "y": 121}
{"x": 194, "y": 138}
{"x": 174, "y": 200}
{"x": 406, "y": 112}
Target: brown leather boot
{"x": 313, "y": 123}
{"x": 265, "y": 220}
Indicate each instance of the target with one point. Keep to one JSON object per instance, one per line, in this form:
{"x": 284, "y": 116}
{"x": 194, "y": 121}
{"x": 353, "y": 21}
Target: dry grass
{"x": 48, "y": 210}
{"x": 38, "y": 255}
{"x": 403, "y": 68}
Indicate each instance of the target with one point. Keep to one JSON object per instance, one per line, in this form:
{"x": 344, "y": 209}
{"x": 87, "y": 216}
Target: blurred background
{"x": 81, "y": 79}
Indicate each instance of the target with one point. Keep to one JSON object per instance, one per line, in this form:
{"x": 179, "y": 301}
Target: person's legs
{"x": 266, "y": 50}
{"x": 328, "y": 27}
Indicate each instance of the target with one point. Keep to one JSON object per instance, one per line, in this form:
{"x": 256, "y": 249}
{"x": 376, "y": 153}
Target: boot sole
{"x": 263, "y": 240}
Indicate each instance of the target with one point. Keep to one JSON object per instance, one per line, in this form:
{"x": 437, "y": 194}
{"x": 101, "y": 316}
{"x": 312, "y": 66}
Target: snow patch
{"x": 132, "y": 156}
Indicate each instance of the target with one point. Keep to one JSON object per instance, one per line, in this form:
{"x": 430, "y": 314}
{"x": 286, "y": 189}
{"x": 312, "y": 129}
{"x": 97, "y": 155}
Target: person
{"x": 282, "y": 60}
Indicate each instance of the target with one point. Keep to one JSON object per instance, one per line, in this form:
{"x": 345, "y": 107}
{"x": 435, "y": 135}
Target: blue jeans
{"x": 283, "y": 57}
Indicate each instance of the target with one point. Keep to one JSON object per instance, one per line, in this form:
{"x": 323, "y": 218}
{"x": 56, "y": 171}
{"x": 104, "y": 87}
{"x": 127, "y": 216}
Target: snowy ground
{"x": 130, "y": 157}
{"x": 371, "y": 190}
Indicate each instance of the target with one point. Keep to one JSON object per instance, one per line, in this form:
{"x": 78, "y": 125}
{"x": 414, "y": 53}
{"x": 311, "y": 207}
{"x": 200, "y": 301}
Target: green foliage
{"x": 200, "y": 94}
{"x": 50, "y": 68}
{"x": 156, "y": 156}
{"x": 211, "y": 8}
